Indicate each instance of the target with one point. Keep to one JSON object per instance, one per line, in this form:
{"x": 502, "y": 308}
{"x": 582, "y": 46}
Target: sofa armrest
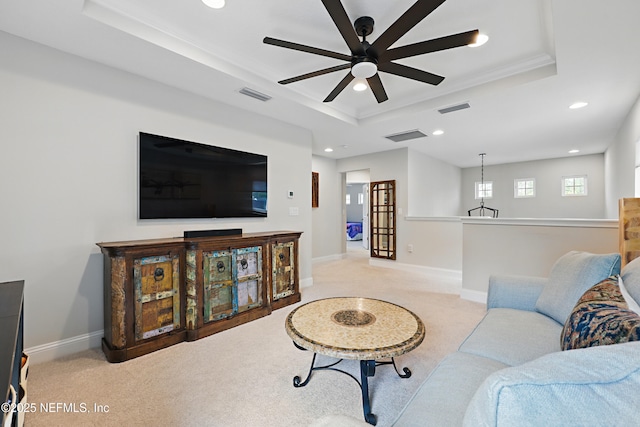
{"x": 519, "y": 292}
{"x": 576, "y": 387}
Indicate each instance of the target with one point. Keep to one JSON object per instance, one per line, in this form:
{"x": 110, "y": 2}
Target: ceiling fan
{"x": 367, "y": 59}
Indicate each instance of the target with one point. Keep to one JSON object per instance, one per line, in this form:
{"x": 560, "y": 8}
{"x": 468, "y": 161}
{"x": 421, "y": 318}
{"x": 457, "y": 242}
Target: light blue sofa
{"x": 511, "y": 371}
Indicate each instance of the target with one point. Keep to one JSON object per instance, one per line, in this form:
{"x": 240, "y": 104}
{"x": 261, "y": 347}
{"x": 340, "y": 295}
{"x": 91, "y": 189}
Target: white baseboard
{"x": 57, "y": 349}
{"x": 306, "y": 283}
{"x": 448, "y": 281}
{"x": 476, "y": 296}
{"x": 334, "y": 257}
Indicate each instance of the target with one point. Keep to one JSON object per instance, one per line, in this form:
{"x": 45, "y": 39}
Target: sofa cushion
{"x": 513, "y": 336}
{"x": 591, "y": 386}
{"x": 570, "y": 277}
{"x": 631, "y": 278}
{"x": 521, "y": 292}
{"x": 633, "y": 305}
{"x": 443, "y": 398}
{"x": 601, "y": 317}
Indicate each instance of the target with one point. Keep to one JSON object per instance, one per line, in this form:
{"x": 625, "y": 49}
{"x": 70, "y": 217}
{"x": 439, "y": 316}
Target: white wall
{"x": 434, "y": 186}
{"x": 358, "y": 176}
{"x": 68, "y": 131}
{"x": 384, "y": 166}
{"x": 548, "y": 202}
{"x": 328, "y": 228}
{"x": 529, "y": 248}
{"x": 620, "y": 162}
{"x": 436, "y": 243}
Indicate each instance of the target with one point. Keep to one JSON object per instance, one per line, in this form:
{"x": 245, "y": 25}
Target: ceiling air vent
{"x": 404, "y": 136}
{"x": 254, "y": 94}
{"x": 454, "y": 108}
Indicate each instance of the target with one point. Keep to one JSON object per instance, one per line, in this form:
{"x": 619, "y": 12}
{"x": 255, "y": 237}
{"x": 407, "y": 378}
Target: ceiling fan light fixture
{"x": 360, "y": 85}
{"x": 480, "y": 40}
{"x": 214, "y": 4}
{"x": 364, "y": 69}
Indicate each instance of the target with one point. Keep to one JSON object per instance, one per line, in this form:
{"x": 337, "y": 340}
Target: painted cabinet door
{"x": 249, "y": 277}
{"x": 232, "y": 282}
{"x": 283, "y": 274}
{"x": 157, "y": 295}
{"x": 219, "y": 289}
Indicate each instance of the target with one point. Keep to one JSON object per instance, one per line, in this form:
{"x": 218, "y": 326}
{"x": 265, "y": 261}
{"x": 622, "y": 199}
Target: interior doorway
{"x": 356, "y": 211}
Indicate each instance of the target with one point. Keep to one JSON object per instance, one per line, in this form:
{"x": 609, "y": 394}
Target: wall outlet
{"x": 293, "y": 212}
{"x": 410, "y": 248}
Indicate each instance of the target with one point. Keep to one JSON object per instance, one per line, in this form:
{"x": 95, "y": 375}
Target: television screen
{"x": 182, "y": 179}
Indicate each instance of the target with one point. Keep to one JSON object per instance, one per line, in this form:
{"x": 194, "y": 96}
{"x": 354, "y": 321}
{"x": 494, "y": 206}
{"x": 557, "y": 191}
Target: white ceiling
{"x": 542, "y": 56}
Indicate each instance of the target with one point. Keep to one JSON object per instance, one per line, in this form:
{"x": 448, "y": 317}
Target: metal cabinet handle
{"x": 158, "y": 274}
{"x": 220, "y": 266}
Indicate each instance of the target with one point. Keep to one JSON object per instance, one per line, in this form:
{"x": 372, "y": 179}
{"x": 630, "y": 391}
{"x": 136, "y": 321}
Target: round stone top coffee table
{"x": 362, "y": 329}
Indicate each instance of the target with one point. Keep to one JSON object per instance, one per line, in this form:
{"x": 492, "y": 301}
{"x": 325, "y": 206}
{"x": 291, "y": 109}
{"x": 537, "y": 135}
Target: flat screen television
{"x": 183, "y": 179}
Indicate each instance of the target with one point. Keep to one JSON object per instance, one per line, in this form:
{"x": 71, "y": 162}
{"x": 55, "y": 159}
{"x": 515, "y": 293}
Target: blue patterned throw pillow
{"x": 600, "y": 317}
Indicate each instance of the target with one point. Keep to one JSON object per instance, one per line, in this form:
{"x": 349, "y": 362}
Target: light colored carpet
{"x": 243, "y": 376}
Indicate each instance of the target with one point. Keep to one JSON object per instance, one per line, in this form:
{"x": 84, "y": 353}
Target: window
{"x": 574, "y": 185}
{"x": 484, "y": 190}
{"x": 348, "y": 199}
{"x": 360, "y": 198}
{"x": 525, "y": 187}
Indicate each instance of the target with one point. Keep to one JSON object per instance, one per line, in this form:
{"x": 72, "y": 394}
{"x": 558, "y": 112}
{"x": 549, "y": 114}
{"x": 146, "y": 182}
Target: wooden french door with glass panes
{"x": 383, "y": 219}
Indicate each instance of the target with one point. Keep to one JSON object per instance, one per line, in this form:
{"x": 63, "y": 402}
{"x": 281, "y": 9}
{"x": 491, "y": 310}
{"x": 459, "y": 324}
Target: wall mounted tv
{"x": 182, "y": 179}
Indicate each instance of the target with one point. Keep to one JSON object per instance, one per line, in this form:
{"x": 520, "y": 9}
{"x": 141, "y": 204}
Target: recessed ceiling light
{"x": 215, "y": 4}
{"x": 574, "y": 151}
{"x": 360, "y": 86}
{"x": 579, "y": 104}
{"x": 328, "y": 150}
{"x": 438, "y": 132}
{"x": 480, "y": 40}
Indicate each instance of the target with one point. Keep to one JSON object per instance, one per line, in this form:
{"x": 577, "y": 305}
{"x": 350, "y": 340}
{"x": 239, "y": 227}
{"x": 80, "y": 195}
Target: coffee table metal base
{"x": 367, "y": 369}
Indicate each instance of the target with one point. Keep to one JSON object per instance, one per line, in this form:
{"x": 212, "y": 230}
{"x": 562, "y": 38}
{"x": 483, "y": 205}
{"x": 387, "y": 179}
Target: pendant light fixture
{"x": 482, "y": 207}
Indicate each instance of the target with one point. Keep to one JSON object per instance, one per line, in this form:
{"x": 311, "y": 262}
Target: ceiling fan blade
{"x": 407, "y": 21}
{"x": 410, "y": 73}
{"x": 315, "y": 74}
{"x": 336, "y": 91}
{"x": 344, "y": 24}
{"x": 304, "y": 48}
{"x": 434, "y": 45}
{"x": 376, "y": 87}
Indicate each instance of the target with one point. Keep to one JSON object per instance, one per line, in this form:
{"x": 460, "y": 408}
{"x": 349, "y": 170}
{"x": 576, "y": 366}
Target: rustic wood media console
{"x": 160, "y": 292}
